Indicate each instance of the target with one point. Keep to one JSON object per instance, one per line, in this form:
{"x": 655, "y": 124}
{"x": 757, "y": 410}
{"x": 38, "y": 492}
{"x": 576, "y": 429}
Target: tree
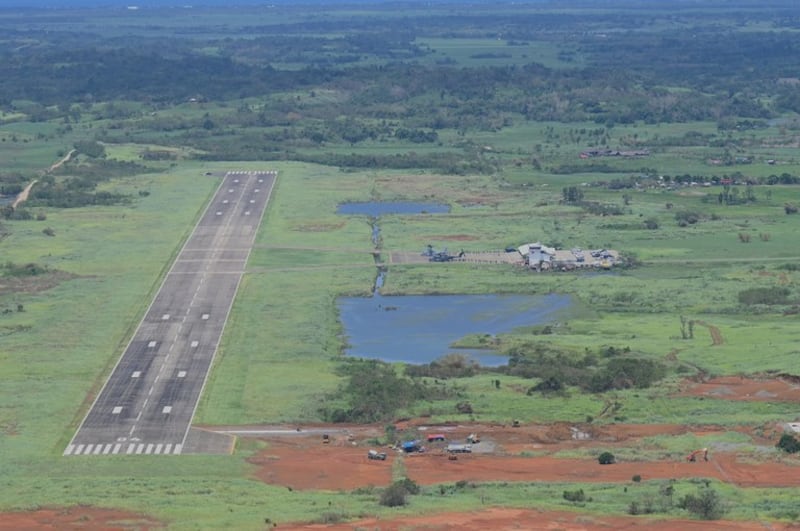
{"x": 606, "y": 458}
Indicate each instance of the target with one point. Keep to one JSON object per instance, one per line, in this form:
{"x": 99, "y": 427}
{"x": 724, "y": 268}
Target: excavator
{"x": 692, "y": 457}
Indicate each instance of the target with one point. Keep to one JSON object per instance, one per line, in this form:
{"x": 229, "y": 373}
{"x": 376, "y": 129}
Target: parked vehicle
{"x": 377, "y": 456}
{"x": 410, "y": 447}
{"x": 459, "y": 448}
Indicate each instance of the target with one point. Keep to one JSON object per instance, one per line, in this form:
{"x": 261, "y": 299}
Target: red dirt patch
{"x": 514, "y": 519}
{"x": 740, "y": 388}
{"x": 84, "y": 518}
{"x": 433, "y": 469}
{"x": 305, "y": 463}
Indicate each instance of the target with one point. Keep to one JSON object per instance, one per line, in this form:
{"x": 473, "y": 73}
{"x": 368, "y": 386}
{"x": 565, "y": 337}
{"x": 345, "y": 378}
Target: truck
{"x": 454, "y": 448}
{"x": 376, "y": 456}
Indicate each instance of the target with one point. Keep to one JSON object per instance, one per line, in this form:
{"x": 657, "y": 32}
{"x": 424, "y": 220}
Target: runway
{"x": 147, "y": 404}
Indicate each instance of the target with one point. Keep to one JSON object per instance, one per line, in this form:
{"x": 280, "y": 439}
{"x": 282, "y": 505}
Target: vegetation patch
{"x": 30, "y": 278}
{"x": 374, "y": 392}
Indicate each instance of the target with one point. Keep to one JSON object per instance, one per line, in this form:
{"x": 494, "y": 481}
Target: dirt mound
{"x": 741, "y": 388}
{"x": 513, "y": 519}
{"x": 84, "y": 518}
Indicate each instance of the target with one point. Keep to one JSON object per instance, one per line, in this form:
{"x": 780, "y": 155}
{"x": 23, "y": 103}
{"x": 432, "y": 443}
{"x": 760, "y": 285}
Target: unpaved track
{"x": 23, "y": 195}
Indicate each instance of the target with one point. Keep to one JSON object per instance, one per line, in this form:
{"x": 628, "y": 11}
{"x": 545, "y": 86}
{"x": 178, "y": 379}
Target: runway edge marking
{"x": 147, "y": 311}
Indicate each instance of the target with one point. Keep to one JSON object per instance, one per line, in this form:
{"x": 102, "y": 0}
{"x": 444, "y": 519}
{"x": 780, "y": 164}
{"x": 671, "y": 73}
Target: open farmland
{"x": 528, "y": 124}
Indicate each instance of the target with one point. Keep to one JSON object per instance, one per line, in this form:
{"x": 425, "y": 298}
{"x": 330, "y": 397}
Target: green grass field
{"x": 275, "y": 364}
{"x": 63, "y": 329}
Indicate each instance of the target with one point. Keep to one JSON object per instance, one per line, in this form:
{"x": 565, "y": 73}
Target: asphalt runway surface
{"x": 147, "y": 404}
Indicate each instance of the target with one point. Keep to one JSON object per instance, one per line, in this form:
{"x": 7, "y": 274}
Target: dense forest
{"x": 294, "y": 84}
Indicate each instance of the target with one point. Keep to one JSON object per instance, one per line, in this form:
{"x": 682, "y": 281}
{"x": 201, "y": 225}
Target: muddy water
{"x": 420, "y": 328}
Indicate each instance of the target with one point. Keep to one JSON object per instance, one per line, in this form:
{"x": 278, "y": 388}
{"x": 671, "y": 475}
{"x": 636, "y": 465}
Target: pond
{"x": 419, "y": 329}
{"x": 377, "y": 208}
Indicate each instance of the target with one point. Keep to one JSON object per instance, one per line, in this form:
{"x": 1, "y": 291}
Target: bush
{"x": 396, "y": 494}
{"x": 774, "y": 295}
{"x": 706, "y": 504}
{"x": 574, "y": 495}
{"x": 450, "y": 366}
{"x": 549, "y": 385}
{"x": 626, "y": 373}
{"x": 789, "y": 443}
{"x": 687, "y": 217}
{"x": 374, "y": 392}
{"x": 393, "y": 496}
{"x": 606, "y": 458}
{"x": 464, "y": 407}
{"x": 636, "y": 478}
{"x": 410, "y": 485}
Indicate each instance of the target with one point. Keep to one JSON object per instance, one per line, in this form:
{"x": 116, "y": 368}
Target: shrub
{"x": 606, "y": 458}
{"x": 330, "y": 517}
{"x": 788, "y": 443}
{"x": 48, "y": 231}
{"x": 374, "y": 392}
{"x": 450, "y": 366}
{"x": 651, "y": 223}
{"x": 410, "y": 485}
{"x": 464, "y": 407}
{"x": 394, "y": 496}
{"x": 706, "y": 504}
{"x": 574, "y": 495}
{"x": 625, "y": 373}
{"x": 773, "y": 295}
{"x": 549, "y": 385}
{"x": 636, "y": 478}
{"x": 687, "y": 217}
